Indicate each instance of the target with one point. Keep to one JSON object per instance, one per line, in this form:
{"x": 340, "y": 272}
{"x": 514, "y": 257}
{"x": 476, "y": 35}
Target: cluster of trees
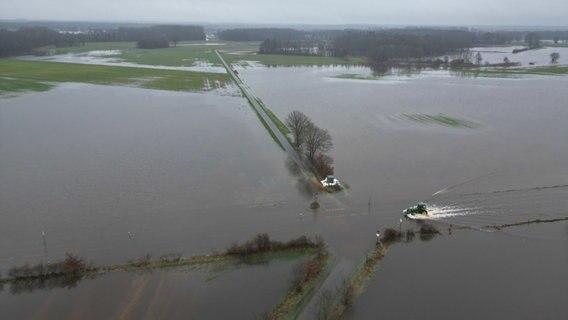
{"x": 260, "y": 34}
{"x": 408, "y": 44}
{"x": 168, "y": 33}
{"x": 382, "y": 46}
{"x": 554, "y": 35}
{"x": 312, "y": 141}
{"x": 25, "y": 39}
{"x": 533, "y": 40}
{"x": 294, "y": 47}
{"x": 262, "y": 243}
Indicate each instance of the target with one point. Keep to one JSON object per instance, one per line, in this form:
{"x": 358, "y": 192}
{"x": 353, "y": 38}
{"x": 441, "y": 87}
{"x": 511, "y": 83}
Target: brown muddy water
{"x": 113, "y": 173}
{"x": 472, "y": 275}
{"x": 191, "y": 173}
{"x": 511, "y": 166}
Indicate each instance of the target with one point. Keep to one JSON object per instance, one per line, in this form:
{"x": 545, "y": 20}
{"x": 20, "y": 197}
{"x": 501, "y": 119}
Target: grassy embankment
{"x": 277, "y": 122}
{"x": 265, "y": 125}
{"x": 310, "y": 275}
{"x": 18, "y": 75}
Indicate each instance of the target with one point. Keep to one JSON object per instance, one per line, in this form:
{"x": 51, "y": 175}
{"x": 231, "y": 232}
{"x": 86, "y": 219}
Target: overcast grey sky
{"x": 414, "y": 12}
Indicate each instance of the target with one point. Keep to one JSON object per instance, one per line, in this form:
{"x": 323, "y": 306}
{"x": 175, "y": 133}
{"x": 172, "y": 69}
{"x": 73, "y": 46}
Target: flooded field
{"x": 536, "y": 57}
{"x": 164, "y": 294}
{"x": 109, "y": 58}
{"x": 472, "y": 275}
{"x": 90, "y": 164}
{"x": 509, "y": 167}
{"x": 113, "y": 173}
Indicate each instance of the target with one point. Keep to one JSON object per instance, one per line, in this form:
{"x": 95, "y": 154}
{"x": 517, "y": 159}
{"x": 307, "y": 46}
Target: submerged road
{"x": 260, "y": 110}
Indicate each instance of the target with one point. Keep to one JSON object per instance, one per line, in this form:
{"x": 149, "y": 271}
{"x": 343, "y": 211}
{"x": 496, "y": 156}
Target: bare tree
{"x": 317, "y": 141}
{"x": 554, "y": 57}
{"x": 478, "y": 58}
{"x": 533, "y": 40}
{"x": 297, "y": 123}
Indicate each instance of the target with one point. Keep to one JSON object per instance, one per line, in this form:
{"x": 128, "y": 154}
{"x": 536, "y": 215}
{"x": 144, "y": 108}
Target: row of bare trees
{"x": 311, "y": 141}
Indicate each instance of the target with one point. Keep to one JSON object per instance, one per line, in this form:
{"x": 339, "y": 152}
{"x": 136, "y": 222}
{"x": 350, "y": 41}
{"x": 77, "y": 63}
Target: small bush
{"x": 427, "y": 232}
{"x": 73, "y": 264}
{"x": 391, "y": 235}
{"x": 261, "y": 243}
{"x": 170, "y": 257}
{"x": 348, "y": 295}
{"x": 141, "y": 262}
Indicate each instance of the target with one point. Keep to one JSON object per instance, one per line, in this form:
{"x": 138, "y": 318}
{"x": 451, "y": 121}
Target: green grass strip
{"x": 97, "y": 74}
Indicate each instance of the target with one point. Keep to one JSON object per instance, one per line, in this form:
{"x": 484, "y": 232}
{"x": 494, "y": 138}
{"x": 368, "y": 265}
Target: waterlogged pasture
{"x": 19, "y": 75}
{"x": 189, "y": 55}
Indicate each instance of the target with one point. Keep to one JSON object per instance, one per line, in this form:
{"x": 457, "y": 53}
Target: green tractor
{"x": 419, "y": 209}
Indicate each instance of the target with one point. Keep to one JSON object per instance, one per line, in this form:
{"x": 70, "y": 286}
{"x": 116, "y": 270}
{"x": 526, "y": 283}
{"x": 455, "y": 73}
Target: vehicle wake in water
{"x": 437, "y": 212}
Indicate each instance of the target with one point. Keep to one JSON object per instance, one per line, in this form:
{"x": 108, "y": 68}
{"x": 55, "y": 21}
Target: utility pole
{"x": 44, "y": 242}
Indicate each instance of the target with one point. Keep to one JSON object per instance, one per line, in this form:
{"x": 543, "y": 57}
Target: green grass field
{"x": 8, "y": 85}
{"x": 289, "y": 60}
{"x": 188, "y": 53}
{"x": 19, "y": 75}
{"x": 90, "y": 46}
{"x": 191, "y": 52}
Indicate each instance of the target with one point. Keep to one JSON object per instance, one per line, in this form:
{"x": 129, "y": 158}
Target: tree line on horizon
{"x": 26, "y": 39}
{"x": 400, "y": 45}
{"x": 260, "y": 34}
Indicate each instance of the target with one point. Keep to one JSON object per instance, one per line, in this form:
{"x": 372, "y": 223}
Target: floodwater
{"x": 510, "y": 167}
{"x": 191, "y": 173}
{"x": 472, "y": 275}
{"x": 113, "y": 173}
{"x": 165, "y": 294}
{"x": 180, "y": 172}
{"x": 109, "y": 58}
{"x": 530, "y": 58}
